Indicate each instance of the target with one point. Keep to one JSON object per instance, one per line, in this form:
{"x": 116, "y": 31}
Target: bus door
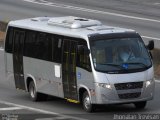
{"x": 69, "y": 69}
{"x": 19, "y": 37}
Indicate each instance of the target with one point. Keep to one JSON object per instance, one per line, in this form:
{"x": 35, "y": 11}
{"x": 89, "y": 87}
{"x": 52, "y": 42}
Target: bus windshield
{"x": 120, "y": 55}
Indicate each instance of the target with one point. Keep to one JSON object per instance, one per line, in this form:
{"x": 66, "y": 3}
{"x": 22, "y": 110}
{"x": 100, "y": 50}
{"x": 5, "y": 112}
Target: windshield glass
{"x": 122, "y": 54}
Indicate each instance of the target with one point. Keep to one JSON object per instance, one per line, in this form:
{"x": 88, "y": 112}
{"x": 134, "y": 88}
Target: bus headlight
{"x": 149, "y": 82}
{"x": 104, "y": 85}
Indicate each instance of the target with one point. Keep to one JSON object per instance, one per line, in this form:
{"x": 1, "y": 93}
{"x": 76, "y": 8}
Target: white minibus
{"x": 80, "y": 60}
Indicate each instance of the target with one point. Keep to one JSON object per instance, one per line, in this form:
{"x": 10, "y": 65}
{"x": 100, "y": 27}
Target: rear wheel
{"x": 34, "y": 95}
{"x": 86, "y": 102}
{"x": 140, "y": 105}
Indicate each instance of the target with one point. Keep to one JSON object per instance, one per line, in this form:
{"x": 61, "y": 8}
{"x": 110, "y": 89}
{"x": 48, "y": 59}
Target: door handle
{"x": 21, "y": 75}
{"x": 73, "y": 86}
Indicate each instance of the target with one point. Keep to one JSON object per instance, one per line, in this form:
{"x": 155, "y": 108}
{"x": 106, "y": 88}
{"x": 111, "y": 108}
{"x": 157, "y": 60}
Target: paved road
{"x": 55, "y": 107}
{"x": 10, "y": 111}
{"x": 18, "y": 103}
{"x": 141, "y": 15}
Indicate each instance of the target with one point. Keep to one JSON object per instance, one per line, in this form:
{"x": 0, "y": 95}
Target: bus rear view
{"x": 80, "y": 60}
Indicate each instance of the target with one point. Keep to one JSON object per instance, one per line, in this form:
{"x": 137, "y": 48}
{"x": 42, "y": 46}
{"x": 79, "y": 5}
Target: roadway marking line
{"x": 40, "y": 110}
{"x": 153, "y": 38}
{"x": 156, "y": 3}
{"x": 29, "y": 108}
{"x": 10, "y": 108}
{"x": 44, "y": 2}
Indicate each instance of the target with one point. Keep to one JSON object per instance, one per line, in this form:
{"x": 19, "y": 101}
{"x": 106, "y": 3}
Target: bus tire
{"x": 86, "y": 102}
{"x": 34, "y": 95}
{"x": 140, "y": 105}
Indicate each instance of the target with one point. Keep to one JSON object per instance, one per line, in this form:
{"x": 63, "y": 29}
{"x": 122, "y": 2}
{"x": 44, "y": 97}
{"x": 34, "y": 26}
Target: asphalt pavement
{"x": 141, "y": 15}
{"x": 138, "y": 15}
{"x": 16, "y": 103}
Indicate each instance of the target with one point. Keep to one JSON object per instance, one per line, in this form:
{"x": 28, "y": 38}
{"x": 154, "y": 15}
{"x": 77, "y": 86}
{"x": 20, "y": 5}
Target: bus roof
{"x": 67, "y": 26}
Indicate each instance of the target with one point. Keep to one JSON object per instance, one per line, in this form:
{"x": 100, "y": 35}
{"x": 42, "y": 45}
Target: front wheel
{"x": 86, "y": 102}
{"x": 140, "y": 105}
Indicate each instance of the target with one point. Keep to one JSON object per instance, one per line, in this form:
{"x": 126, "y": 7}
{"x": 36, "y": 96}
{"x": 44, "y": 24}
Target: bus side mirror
{"x": 150, "y": 45}
{"x": 83, "y": 49}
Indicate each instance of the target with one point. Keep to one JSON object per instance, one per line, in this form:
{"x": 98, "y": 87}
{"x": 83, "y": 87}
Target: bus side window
{"x": 56, "y": 49}
{"x": 42, "y": 46}
{"x": 9, "y": 40}
{"x": 83, "y": 60}
{"x": 29, "y": 44}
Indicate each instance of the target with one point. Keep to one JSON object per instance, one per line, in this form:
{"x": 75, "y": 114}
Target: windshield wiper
{"x": 121, "y": 65}
{"x": 111, "y": 64}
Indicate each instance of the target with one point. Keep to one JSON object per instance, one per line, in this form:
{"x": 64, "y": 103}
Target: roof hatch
{"x": 102, "y": 27}
{"x": 40, "y": 19}
{"x": 73, "y": 22}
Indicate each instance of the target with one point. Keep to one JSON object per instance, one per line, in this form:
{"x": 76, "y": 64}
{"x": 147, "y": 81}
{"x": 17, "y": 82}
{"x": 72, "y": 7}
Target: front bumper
{"x": 114, "y": 96}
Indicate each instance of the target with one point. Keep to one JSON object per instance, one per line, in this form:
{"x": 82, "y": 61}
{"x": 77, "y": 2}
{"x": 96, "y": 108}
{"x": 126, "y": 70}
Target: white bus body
{"x": 80, "y": 60}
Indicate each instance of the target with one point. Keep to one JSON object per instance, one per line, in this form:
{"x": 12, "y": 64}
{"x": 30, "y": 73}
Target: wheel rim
{"x": 87, "y": 102}
{"x": 32, "y": 91}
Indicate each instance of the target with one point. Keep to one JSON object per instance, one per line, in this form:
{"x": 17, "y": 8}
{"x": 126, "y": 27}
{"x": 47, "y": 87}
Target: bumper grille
{"x": 129, "y": 95}
{"x": 130, "y": 85}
